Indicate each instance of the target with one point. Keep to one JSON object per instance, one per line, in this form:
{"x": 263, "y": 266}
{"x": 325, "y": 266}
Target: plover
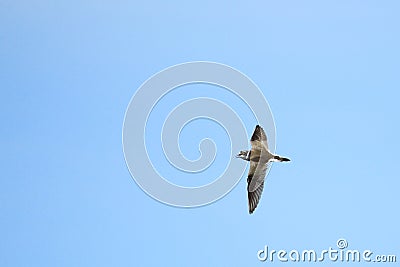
{"x": 260, "y": 157}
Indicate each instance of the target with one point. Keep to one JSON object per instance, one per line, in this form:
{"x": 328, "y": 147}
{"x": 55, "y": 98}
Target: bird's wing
{"x": 255, "y": 183}
{"x": 259, "y": 139}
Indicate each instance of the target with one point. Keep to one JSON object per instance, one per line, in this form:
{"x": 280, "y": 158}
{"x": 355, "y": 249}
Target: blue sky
{"x": 329, "y": 70}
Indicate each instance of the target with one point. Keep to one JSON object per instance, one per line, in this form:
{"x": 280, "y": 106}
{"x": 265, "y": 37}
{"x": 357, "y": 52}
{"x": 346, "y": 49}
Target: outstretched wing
{"x": 259, "y": 139}
{"x": 258, "y": 167}
{"x": 255, "y": 183}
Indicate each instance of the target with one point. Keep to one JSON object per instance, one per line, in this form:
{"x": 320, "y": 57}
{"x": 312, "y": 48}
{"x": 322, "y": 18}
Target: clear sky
{"x": 329, "y": 70}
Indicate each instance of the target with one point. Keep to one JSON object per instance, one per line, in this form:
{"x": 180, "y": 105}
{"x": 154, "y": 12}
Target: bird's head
{"x": 244, "y": 154}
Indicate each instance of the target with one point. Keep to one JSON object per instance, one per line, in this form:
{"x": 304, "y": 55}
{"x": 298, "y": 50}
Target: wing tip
{"x": 258, "y": 134}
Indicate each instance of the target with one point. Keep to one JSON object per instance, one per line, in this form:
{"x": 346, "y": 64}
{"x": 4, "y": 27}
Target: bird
{"x": 260, "y": 158}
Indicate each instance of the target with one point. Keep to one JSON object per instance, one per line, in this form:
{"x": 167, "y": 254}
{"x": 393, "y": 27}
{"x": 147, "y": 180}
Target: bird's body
{"x": 259, "y": 157}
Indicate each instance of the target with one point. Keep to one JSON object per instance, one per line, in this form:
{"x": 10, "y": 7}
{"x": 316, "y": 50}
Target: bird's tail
{"x": 281, "y": 159}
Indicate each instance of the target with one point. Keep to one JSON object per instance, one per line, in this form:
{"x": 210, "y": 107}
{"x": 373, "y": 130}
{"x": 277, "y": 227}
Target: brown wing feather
{"x": 254, "y": 197}
{"x": 255, "y": 183}
{"x": 259, "y": 138}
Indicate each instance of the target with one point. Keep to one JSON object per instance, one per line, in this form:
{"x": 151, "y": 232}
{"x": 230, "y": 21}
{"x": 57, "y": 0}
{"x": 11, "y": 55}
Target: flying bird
{"x": 260, "y": 157}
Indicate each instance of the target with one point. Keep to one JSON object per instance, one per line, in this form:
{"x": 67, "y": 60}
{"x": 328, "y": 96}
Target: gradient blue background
{"x": 329, "y": 70}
